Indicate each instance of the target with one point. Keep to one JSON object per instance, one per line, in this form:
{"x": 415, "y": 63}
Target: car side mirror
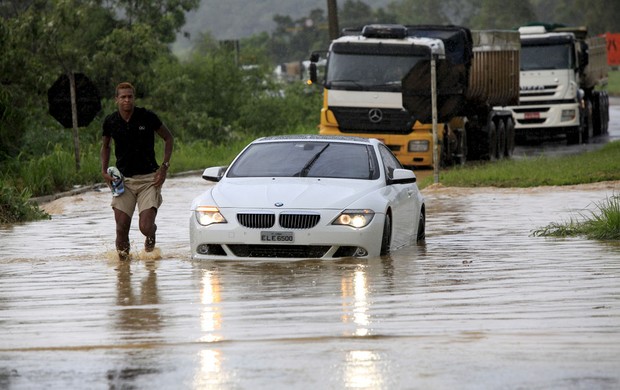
{"x": 214, "y": 173}
{"x": 403, "y": 176}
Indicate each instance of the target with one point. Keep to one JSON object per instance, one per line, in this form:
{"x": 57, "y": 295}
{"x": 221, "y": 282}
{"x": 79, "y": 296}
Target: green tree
{"x": 498, "y": 14}
{"x": 166, "y": 17}
{"x": 418, "y": 12}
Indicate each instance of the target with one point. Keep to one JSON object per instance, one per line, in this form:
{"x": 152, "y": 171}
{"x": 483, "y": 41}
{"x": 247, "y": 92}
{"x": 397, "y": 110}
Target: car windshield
{"x": 307, "y": 159}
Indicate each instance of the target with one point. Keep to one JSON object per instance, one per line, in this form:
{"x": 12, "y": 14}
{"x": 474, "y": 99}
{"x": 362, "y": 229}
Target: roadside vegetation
{"x": 601, "y": 224}
{"x": 214, "y": 96}
{"x": 590, "y": 167}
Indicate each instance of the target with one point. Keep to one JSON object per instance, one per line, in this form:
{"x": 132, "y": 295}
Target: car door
{"x": 403, "y": 201}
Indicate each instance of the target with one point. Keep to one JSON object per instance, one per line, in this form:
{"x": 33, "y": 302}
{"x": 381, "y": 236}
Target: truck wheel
{"x": 597, "y": 114}
{"x": 604, "y": 108}
{"x": 461, "y": 153}
{"x": 501, "y": 139}
{"x": 510, "y": 138}
{"x": 588, "y": 129}
{"x": 573, "y": 136}
{"x": 491, "y": 142}
{"x": 387, "y": 235}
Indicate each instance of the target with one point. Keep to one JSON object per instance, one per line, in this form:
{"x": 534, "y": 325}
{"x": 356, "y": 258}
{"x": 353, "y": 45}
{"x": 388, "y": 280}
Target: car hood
{"x": 292, "y": 193}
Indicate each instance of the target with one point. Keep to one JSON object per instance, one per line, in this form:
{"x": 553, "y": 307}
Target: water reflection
{"x": 138, "y": 321}
{"x": 355, "y": 301}
{"x": 137, "y": 314}
{"x": 363, "y": 370}
{"x": 209, "y": 370}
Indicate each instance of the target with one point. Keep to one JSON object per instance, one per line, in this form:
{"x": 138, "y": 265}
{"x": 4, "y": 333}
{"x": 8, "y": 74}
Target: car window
{"x": 390, "y": 162}
{"x": 306, "y": 159}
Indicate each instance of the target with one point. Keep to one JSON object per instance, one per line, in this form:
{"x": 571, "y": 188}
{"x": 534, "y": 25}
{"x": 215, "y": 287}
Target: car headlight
{"x": 354, "y": 218}
{"x": 208, "y": 215}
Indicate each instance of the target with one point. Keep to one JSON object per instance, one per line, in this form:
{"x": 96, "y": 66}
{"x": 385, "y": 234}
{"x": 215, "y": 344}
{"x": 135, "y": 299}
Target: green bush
{"x": 15, "y": 205}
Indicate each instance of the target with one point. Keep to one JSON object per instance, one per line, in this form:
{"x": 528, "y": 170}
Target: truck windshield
{"x": 368, "y": 72}
{"x": 541, "y": 57}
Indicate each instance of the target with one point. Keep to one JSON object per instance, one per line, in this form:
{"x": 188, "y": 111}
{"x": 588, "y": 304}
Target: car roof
{"x": 316, "y": 137}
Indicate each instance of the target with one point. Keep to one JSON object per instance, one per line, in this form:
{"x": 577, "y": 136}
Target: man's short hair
{"x": 125, "y": 85}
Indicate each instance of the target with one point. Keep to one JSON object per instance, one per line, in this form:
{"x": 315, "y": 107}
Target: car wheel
{"x": 422, "y": 226}
{"x": 387, "y": 235}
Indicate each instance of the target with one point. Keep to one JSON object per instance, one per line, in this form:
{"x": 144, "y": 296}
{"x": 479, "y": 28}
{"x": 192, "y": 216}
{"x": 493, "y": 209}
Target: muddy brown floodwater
{"x": 483, "y": 304}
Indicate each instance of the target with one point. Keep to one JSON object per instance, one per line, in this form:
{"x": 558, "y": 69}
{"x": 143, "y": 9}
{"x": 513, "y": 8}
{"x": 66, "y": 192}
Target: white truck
{"x": 560, "y": 71}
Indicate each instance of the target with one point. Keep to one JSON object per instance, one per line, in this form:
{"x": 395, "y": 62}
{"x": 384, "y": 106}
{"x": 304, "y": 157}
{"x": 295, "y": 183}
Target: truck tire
{"x": 461, "y": 153}
{"x": 501, "y": 139}
{"x": 604, "y": 109}
{"x": 597, "y": 113}
{"x": 573, "y": 135}
{"x": 510, "y": 138}
{"x": 588, "y": 129}
{"x": 489, "y": 142}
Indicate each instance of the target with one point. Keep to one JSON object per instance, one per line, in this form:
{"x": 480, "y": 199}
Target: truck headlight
{"x": 568, "y": 115}
{"x": 418, "y": 146}
{"x": 354, "y": 218}
{"x": 208, "y": 215}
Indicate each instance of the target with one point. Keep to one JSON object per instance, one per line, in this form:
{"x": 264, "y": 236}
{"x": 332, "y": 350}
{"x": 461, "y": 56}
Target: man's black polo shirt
{"x": 134, "y": 141}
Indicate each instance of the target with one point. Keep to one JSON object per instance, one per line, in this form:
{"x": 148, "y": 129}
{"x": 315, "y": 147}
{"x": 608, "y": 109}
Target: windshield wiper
{"x": 304, "y": 171}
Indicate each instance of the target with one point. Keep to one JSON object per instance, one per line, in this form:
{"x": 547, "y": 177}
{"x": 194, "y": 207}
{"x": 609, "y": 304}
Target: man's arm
{"x": 105, "y": 158}
{"x": 166, "y": 135}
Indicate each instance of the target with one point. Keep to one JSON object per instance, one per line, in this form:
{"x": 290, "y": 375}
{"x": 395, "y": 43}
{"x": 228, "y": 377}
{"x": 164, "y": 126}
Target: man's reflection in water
{"x": 139, "y": 314}
{"x": 138, "y": 321}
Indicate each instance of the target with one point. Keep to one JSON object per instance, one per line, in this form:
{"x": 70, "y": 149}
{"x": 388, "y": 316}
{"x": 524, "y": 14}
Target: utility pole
{"x": 332, "y": 17}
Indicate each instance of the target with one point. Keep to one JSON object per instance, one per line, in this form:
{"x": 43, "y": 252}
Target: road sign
{"x": 88, "y": 100}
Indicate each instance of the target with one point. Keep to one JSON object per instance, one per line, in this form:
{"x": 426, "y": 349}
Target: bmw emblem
{"x": 278, "y": 204}
{"x": 375, "y": 115}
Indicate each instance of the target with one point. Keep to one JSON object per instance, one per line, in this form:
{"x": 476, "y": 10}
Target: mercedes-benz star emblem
{"x": 375, "y": 115}
{"x": 278, "y": 204}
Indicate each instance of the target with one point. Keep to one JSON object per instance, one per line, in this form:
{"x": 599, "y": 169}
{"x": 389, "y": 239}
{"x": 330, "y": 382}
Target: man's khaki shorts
{"x": 139, "y": 190}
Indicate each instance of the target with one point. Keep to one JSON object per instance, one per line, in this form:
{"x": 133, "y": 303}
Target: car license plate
{"x": 277, "y": 237}
{"x": 532, "y": 115}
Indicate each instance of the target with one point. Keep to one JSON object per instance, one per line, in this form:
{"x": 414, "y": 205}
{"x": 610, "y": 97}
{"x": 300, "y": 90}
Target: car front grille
{"x": 256, "y": 221}
{"x": 286, "y": 220}
{"x": 279, "y": 251}
{"x": 299, "y": 221}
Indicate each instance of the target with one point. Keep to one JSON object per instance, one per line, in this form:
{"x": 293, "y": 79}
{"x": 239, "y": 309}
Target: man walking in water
{"x": 133, "y": 130}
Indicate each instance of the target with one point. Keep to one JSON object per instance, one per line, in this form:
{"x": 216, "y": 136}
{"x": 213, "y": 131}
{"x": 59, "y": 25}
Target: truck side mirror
{"x": 313, "y": 73}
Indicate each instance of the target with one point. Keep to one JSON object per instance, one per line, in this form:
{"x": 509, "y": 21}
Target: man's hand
{"x": 108, "y": 178}
{"x": 160, "y": 176}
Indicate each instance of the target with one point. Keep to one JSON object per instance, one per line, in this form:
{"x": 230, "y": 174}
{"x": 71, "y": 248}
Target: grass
{"x": 601, "y": 224}
{"x": 590, "y": 167}
{"x": 613, "y": 83}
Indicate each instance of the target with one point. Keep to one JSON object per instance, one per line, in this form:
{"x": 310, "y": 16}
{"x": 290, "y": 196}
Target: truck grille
{"x": 358, "y": 120}
{"x": 538, "y": 91}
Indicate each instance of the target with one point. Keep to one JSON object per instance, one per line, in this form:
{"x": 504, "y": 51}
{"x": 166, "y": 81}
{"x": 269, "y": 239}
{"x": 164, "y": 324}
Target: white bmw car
{"x": 307, "y": 196}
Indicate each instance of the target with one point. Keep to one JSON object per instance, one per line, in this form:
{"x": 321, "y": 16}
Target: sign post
{"x": 74, "y": 102}
{"x": 434, "y": 111}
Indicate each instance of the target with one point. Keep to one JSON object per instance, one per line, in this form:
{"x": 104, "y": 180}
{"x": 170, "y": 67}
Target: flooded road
{"x": 481, "y": 305}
